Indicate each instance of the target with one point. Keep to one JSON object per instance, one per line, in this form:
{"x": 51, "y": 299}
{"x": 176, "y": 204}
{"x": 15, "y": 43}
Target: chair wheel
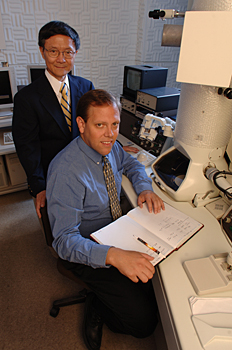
{"x": 54, "y": 311}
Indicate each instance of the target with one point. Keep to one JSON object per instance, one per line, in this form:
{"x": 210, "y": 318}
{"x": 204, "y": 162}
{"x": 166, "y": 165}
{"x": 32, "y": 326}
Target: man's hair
{"x": 57, "y": 28}
{"x": 95, "y": 98}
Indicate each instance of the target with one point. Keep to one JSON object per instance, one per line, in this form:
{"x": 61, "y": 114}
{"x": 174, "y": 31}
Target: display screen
{"x": 133, "y": 79}
{"x": 36, "y": 73}
{"x": 5, "y": 88}
{"x": 172, "y": 168}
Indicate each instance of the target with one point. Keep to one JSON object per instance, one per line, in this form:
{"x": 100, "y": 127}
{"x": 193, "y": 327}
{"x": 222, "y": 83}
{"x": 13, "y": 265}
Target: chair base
{"x": 79, "y": 298}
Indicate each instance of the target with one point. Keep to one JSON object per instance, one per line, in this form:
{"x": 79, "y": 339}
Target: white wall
{"x": 113, "y": 33}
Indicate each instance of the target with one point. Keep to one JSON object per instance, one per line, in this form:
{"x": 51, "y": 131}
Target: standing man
{"x": 79, "y": 203}
{"x": 45, "y": 111}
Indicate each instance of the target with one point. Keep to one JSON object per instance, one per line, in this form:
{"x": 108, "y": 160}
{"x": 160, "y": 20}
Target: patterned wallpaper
{"x": 113, "y": 33}
{"x": 151, "y": 30}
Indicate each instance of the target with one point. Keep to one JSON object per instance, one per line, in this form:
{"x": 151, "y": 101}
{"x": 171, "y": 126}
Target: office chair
{"x": 81, "y": 296}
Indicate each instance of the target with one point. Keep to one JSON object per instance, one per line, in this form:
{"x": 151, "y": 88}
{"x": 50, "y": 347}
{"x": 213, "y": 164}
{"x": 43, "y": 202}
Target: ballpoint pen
{"x": 146, "y": 244}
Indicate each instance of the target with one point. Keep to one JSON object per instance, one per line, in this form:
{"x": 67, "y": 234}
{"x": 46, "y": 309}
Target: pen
{"x": 147, "y": 245}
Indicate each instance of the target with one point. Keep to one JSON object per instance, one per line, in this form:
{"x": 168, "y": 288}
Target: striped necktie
{"x": 116, "y": 210}
{"x": 65, "y": 104}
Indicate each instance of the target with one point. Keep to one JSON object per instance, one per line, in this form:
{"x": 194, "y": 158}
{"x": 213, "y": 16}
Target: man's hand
{"x": 134, "y": 265}
{"x": 130, "y": 149}
{"x": 40, "y": 202}
{"x": 153, "y": 201}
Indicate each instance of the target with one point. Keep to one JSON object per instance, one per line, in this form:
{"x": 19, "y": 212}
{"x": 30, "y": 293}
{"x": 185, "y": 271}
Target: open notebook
{"x": 155, "y": 234}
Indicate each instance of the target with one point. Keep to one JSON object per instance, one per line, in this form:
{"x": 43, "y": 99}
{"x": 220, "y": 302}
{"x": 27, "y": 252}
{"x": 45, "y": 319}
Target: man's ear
{"x": 81, "y": 124}
{"x": 42, "y": 51}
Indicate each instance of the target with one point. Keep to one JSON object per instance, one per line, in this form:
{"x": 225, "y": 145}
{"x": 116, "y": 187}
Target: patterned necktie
{"x": 116, "y": 210}
{"x": 65, "y": 104}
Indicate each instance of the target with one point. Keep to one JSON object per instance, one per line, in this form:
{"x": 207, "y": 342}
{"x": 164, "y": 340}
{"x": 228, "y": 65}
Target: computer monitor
{"x": 140, "y": 77}
{"x": 36, "y": 70}
{"x": 8, "y": 89}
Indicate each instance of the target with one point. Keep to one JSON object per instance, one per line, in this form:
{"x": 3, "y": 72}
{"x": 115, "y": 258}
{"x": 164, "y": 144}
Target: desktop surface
{"x": 178, "y": 289}
{"x": 171, "y": 282}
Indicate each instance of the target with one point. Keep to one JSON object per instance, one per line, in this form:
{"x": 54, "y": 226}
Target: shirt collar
{"x": 55, "y": 83}
{"x": 89, "y": 152}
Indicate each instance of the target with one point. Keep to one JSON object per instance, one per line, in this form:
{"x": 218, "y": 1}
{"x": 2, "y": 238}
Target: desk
{"x": 171, "y": 284}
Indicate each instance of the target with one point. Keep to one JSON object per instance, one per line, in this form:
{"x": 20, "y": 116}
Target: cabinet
{"x": 12, "y": 175}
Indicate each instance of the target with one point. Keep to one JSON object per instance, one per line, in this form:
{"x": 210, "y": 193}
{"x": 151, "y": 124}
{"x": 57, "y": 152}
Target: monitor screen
{"x": 8, "y": 88}
{"x": 140, "y": 77}
{"x": 35, "y": 71}
{"x": 5, "y": 88}
{"x": 133, "y": 79}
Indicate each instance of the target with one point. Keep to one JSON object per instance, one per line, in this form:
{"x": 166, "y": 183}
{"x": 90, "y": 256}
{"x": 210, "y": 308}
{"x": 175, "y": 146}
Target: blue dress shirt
{"x": 78, "y": 202}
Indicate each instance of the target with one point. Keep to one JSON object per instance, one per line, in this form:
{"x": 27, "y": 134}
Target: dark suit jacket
{"x": 39, "y": 127}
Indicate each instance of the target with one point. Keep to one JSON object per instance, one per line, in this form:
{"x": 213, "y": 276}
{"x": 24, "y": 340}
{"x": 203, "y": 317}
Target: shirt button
{"x": 98, "y": 162}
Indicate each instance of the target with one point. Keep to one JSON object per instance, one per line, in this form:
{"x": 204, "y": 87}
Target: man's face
{"x": 101, "y": 129}
{"x": 58, "y": 66}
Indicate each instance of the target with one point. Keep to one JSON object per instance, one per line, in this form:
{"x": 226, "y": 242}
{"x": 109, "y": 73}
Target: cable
{"x": 221, "y": 174}
{"x": 219, "y": 179}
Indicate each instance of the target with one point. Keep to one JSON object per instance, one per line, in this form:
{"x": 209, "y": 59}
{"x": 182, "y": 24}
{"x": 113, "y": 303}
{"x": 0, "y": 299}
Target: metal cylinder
{"x": 172, "y": 35}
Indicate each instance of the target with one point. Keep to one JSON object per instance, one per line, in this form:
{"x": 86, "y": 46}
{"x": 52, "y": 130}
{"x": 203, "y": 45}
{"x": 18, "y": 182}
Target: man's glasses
{"x": 55, "y": 53}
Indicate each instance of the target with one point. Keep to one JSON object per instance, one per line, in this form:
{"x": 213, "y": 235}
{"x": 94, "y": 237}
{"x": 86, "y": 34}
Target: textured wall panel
{"x": 113, "y": 33}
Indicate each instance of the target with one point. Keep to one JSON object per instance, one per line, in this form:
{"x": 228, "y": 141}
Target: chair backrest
{"x": 49, "y": 239}
{"x": 46, "y": 225}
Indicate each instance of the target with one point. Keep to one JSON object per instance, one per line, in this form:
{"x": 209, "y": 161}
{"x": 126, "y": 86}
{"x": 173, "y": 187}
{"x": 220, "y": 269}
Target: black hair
{"x": 57, "y": 28}
{"x": 94, "y": 98}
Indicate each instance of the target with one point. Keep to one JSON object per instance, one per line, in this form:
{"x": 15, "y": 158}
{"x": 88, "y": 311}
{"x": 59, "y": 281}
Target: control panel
{"x": 128, "y": 105}
{"x": 130, "y": 127}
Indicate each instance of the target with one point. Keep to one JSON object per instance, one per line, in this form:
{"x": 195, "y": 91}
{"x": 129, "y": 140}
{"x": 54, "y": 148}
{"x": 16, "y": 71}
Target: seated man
{"x": 121, "y": 295}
